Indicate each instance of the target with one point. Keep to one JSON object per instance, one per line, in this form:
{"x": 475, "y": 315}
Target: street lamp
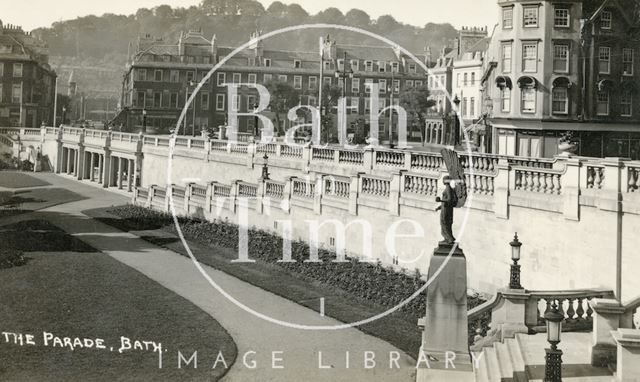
{"x": 344, "y": 74}
{"x": 144, "y": 120}
{"x": 255, "y": 122}
{"x": 265, "y": 167}
{"x": 193, "y": 105}
{"x": 553, "y": 357}
{"x": 514, "y": 279}
{"x": 456, "y": 123}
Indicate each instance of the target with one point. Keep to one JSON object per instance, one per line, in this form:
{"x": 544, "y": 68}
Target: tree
{"x": 416, "y": 103}
{"x": 387, "y": 24}
{"x": 357, "y": 18}
{"x": 277, "y": 9}
{"x": 251, "y": 8}
{"x": 283, "y": 98}
{"x": 296, "y": 13}
{"x": 163, "y": 11}
{"x": 330, "y": 15}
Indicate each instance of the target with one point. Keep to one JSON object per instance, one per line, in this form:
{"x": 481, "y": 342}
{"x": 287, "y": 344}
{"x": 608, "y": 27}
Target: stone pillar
{"x": 394, "y": 194}
{"x": 509, "y": 317}
{"x": 317, "y": 197}
{"x": 353, "y": 194}
{"x": 69, "y": 159}
{"x": 81, "y": 163}
{"x": 628, "y": 354}
{"x": 503, "y": 182}
{"x": 93, "y": 166}
{"x": 100, "y": 168}
{"x": 119, "y": 175}
{"x": 130, "y": 173}
{"x": 445, "y": 335}
{"x": 606, "y": 318}
{"x": 571, "y": 189}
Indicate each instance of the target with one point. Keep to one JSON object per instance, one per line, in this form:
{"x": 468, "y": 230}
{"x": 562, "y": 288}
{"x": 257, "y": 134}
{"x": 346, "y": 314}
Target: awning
{"x": 503, "y": 81}
{"x": 562, "y": 82}
{"x": 527, "y": 81}
{"x": 605, "y": 85}
{"x": 562, "y": 126}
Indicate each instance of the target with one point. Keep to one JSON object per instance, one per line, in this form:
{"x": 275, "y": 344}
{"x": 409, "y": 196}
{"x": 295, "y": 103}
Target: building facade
{"x": 160, "y": 77}
{"x": 559, "y": 71}
{"x": 27, "y": 82}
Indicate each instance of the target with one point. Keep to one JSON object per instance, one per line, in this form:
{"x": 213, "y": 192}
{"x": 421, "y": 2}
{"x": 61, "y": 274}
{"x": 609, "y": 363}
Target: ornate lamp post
{"x": 256, "y": 131}
{"x": 456, "y": 123}
{"x": 343, "y": 75}
{"x": 553, "y": 357}
{"x": 514, "y": 279}
{"x": 144, "y": 120}
{"x": 265, "y": 168}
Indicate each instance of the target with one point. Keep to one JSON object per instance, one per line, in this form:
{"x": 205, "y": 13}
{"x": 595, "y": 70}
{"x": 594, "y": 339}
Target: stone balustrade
{"x": 523, "y": 177}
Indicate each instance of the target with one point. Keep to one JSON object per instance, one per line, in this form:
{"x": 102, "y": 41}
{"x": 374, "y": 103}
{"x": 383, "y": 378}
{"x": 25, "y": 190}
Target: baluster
{"x": 544, "y": 187}
{"x": 599, "y": 178}
{"x": 561, "y": 307}
{"x": 556, "y": 178}
{"x": 518, "y": 180}
{"x": 589, "y": 312}
{"x": 580, "y": 310}
{"x": 590, "y": 177}
{"x": 570, "y": 310}
{"x": 633, "y": 179}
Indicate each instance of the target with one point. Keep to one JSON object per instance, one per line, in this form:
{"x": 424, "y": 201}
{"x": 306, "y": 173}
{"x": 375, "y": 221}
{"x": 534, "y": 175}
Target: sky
{"x": 31, "y": 14}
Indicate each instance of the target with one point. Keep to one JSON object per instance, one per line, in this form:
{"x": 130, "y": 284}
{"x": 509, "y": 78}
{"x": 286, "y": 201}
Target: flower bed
{"x": 371, "y": 282}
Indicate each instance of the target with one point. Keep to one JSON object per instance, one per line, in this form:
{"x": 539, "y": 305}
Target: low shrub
{"x": 11, "y": 258}
{"x": 372, "y": 282}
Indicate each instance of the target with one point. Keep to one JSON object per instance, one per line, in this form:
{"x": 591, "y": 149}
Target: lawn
{"x": 399, "y": 329}
{"x": 14, "y": 179}
{"x": 21, "y": 201}
{"x": 91, "y": 295}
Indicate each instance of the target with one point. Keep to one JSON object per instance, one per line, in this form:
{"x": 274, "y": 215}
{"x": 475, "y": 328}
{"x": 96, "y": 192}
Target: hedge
{"x": 11, "y": 258}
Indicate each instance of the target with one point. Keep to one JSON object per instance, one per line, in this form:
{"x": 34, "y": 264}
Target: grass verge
{"x": 91, "y": 295}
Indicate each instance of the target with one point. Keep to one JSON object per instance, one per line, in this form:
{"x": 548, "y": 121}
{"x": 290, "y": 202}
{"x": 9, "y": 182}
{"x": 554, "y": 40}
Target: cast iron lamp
{"x": 514, "y": 279}
{"x": 553, "y": 357}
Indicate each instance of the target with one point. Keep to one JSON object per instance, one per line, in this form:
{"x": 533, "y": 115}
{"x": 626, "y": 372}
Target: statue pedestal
{"x": 445, "y": 340}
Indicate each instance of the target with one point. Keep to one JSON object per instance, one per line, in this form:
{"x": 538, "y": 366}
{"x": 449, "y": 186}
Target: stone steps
{"x": 521, "y": 359}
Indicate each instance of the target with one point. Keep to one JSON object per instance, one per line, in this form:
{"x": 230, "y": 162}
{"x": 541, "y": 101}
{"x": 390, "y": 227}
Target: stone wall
{"x": 577, "y": 217}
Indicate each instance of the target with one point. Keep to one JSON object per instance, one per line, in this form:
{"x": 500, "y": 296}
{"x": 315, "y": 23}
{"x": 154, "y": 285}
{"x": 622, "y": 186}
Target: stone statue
{"x": 448, "y": 201}
{"x": 454, "y": 194}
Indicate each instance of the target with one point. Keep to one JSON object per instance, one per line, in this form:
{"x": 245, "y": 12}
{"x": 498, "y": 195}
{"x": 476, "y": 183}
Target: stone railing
{"x": 574, "y": 305}
{"x": 247, "y": 190}
{"x": 561, "y": 185}
{"x": 303, "y": 188}
{"x": 511, "y": 311}
{"x": 274, "y": 189}
{"x": 390, "y": 158}
{"x": 633, "y": 173}
{"x": 544, "y": 181}
{"x": 337, "y": 188}
{"x": 375, "y": 186}
{"x": 420, "y": 185}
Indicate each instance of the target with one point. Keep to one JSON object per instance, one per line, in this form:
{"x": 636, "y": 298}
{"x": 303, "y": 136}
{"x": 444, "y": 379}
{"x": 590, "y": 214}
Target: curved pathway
{"x": 259, "y": 342}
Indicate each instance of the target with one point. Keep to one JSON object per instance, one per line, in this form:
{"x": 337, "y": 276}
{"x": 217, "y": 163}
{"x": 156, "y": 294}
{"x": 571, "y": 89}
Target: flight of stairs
{"x": 521, "y": 359}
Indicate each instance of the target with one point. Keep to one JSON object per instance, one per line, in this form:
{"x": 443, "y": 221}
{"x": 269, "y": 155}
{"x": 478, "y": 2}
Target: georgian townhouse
{"x": 27, "y": 82}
